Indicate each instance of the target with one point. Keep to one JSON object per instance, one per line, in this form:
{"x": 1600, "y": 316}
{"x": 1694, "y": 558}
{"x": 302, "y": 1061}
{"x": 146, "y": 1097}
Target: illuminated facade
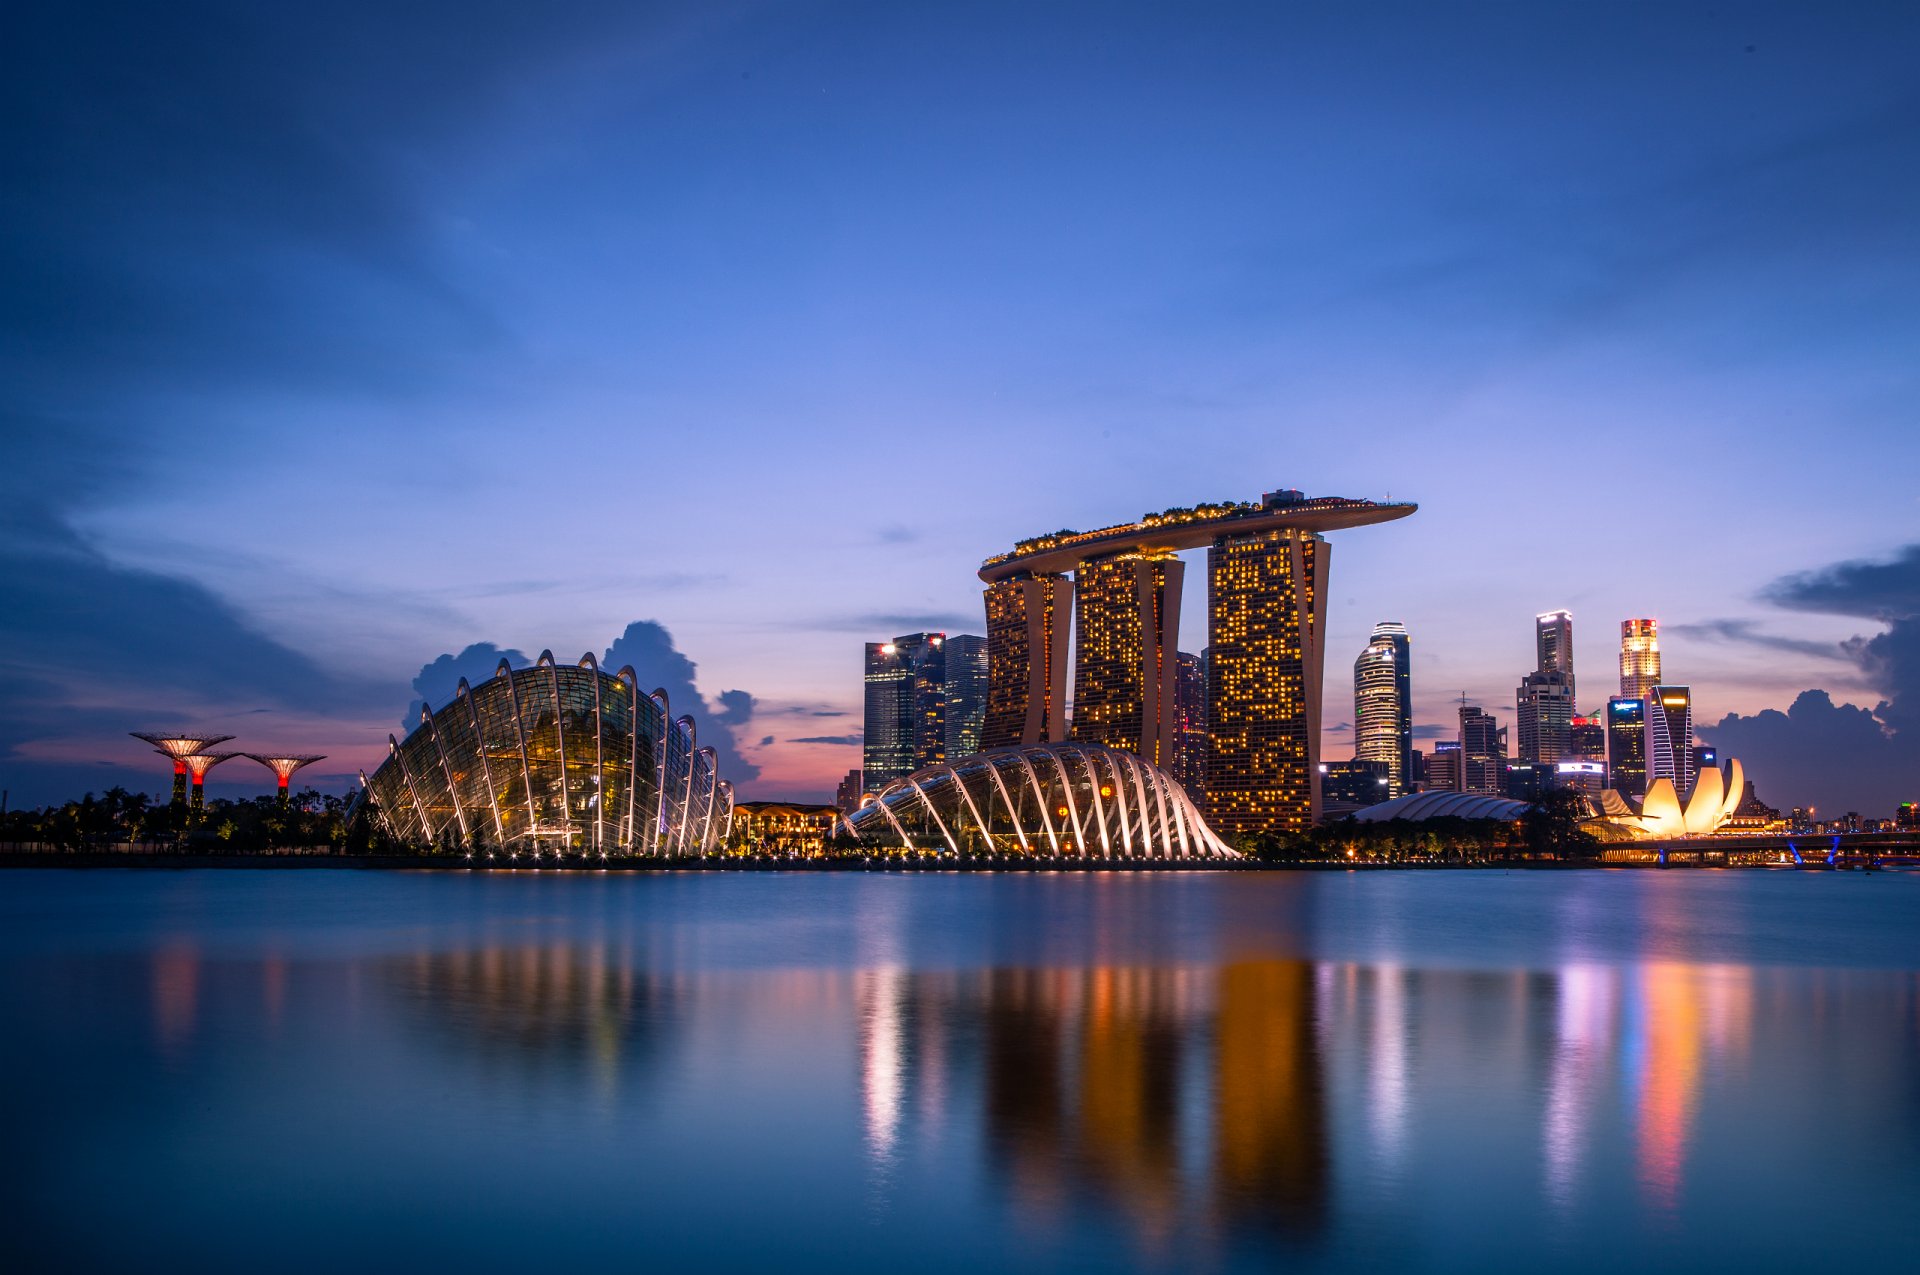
{"x": 1670, "y": 737}
{"x": 966, "y": 694}
{"x": 1190, "y": 726}
{"x": 1483, "y": 753}
{"x": 177, "y": 748}
{"x": 555, "y": 757}
{"x": 1028, "y": 618}
{"x": 1543, "y": 717}
{"x": 1627, "y": 745}
{"x": 783, "y": 827}
{"x": 905, "y": 719}
{"x": 1639, "y": 658}
{"x": 1383, "y": 704}
{"x": 1126, "y": 659}
{"x": 1553, "y": 643}
{"x": 1073, "y": 800}
{"x": 1265, "y": 658}
{"x": 1262, "y": 684}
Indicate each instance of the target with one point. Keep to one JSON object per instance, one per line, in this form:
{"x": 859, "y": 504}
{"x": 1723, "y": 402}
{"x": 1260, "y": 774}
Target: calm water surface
{"x": 328, "y": 1071}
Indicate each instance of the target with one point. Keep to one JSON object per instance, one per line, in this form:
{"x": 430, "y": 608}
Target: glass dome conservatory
{"x": 551, "y": 757}
{"x": 1076, "y": 800}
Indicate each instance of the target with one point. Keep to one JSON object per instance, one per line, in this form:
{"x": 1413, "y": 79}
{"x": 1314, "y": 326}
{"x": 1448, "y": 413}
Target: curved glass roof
{"x": 1443, "y": 805}
{"x": 566, "y": 758}
{"x": 1075, "y": 800}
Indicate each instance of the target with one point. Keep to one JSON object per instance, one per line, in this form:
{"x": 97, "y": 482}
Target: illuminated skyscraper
{"x": 1627, "y": 746}
{"x": 1639, "y": 658}
{"x": 1262, "y": 687}
{"x": 1126, "y": 666}
{"x": 905, "y": 717}
{"x": 966, "y": 702}
{"x": 1553, "y": 643}
{"x": 1483, "y": 754}
{"x": 1544, "y": 716}
{"x": 1190, "y": 725}
{"x": 1443, "y": 767}
{"x": 1670, "y": 737}
{"x": 1028, "y": 618}
{"x": 1266, "y": 653}
{"x": 1383, "y": 705}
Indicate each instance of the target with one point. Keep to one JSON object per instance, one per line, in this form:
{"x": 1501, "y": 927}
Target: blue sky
{"x": 332, "y": 343}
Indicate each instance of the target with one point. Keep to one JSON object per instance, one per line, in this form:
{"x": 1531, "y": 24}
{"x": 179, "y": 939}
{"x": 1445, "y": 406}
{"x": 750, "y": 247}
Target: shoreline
{"x": 90, "y": 860}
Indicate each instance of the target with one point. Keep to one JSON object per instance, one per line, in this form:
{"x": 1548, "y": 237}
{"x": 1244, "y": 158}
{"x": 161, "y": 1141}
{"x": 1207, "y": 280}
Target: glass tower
{"x": 1383, "y": 705}
{"x": 1483, "y": 754}
{"x": 966, "y": 705}
{"x": 1670, "y": 737}
{"x": 905, "y": 708}
{"x": 1627, "y": 746}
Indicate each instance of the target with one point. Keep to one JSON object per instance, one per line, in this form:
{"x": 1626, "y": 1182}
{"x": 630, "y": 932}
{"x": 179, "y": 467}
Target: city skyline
{"x": 736, "y": 250}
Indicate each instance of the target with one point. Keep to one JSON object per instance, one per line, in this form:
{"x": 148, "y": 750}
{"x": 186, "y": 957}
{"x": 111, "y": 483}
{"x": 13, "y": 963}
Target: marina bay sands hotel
{"x": 1266, "y": 624}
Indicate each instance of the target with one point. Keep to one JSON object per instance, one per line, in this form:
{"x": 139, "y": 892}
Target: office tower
{"x": 1417, "y": 776}
{"x": 1526, "y": 780}
{"x": 1443, "y": 766}
{"x": 966, "y": 702}
{"x": 1028, "y": 619}
{"x": 1126, "y": 666}
{"x": 1190, "y": 725}
{"x": 1543, "y": 713}
{"x": 1483, "y": 753}
{"x": 1639, "y": 658}
{"x": 1266, "y": 623}
{"x": 1553, "y": 644}
{"x": 847, "y": 795}
{"x": 1705, "y": 756}
{"x": 905, "y": 703}
{"x": 1670, "y": 737}
{"x": 1383, "y": 704}
{"x": 1587, "y": 738}
{"x": 1627, "y": 746}
{"x": 1355, "y": 784}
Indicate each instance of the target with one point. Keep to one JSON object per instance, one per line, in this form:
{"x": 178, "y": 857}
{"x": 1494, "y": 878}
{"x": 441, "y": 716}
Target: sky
{"x": 343, "y": 350}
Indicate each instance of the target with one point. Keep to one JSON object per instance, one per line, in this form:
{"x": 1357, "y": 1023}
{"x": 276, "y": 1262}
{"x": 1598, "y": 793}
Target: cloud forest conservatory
{"x": 555, "y": 758}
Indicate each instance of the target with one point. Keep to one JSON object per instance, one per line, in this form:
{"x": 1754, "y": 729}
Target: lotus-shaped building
{"x": 552, "y": 757}
{"x": 1715, "y": 797}
{"x": 1074, "y": 800}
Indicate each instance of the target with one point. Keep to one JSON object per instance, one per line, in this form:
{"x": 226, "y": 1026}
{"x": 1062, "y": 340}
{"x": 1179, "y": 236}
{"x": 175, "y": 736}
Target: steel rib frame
{"x": 526, "y": 766}
{"x": 464, "y": 691}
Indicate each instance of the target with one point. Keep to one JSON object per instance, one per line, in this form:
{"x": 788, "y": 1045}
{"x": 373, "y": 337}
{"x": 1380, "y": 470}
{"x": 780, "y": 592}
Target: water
{"x": 326, "y": 1071}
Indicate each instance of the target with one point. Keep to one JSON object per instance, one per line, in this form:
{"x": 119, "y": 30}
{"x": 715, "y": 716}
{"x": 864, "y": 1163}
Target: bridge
{"x": 1801, "y": 849}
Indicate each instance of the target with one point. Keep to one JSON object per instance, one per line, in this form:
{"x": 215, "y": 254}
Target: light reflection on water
{"x": 957, "y": 1073}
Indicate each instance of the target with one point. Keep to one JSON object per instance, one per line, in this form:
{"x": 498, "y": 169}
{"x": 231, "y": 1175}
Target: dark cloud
{"x": 1436, "y": 732}
{"x": 440, "y": 680}
{"x": 1338, "y": 728}
{"x": 1750, "y": 634}
{"x": 1833, "y": 757}
{"x": 766, "y": 741}
{"x": 1840, "y": 757}
{"x": 838, "y": 740}
{"x": 648, "y": 647}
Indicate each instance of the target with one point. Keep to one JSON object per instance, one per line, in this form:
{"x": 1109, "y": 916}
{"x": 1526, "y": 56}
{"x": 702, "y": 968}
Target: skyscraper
{"x": 1544, "y": 705}
{"x": 1265, "y": 656}
{"x": 1190, "y": 725}
{"x": 1639, "y": 658}
{"x": 1126, "y": 666}
{"x": 1443, "y": 766}
{"x": 966, "y": 700}
{"x": 1028, "y": 620}
{"x": 1383, "y": 705}
{"x": 1627, "y": 746}
{"x": 1543, "y": 712}
{"x": 1553, "y": 644}
{"x": 905, "y": 708}
{"x": 1670, "y": 737}
{"x": 1483, "y": 753}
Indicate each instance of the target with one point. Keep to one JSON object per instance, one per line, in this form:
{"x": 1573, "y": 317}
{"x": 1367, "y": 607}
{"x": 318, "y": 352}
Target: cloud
{"x": 838, "y": 740}
{"x": 648, "y": 647}
{"x": 888, "y": 624}
{"x": 766, "y": 741}
{"x": 1840, "y": 757}
{"x": 438, "y": 682}
{"x": 1337, "y": 728}
{"x": 1748, "y": 633}
{"x": 1436, "y": 732}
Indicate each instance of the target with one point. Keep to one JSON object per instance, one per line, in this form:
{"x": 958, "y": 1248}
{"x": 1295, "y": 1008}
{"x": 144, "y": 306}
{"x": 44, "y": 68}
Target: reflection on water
{"x": 1159, "y": 1104}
